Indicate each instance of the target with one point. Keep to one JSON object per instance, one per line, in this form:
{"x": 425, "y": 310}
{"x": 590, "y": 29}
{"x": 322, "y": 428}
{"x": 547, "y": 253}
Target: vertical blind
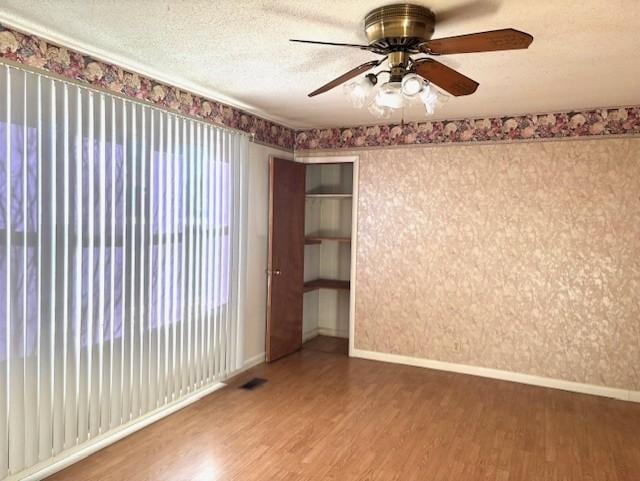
{"x": 122, "y": 238}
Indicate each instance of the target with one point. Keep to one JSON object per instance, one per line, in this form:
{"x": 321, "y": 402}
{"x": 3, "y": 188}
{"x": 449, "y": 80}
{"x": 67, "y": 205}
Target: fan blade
{"x": 453, "y": 82}
{"x": 346, "y": 76}
{"x": 506, "y": 39}
{"x": 334, "y": 44}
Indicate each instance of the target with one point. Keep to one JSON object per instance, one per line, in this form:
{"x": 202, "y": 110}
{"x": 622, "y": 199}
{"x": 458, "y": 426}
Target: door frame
{"x": 355, "y": 160}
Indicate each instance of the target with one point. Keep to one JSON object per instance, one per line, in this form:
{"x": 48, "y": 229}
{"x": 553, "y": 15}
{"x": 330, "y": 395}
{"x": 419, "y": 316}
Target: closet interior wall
{"x": 328, "y": 215}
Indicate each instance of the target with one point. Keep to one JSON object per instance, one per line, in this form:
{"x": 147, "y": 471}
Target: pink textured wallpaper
{"x": 523, "y": 257}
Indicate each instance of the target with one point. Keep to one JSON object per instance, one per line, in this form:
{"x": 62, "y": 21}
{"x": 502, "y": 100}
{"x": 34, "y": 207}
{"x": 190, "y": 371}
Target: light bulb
{"x": 390, "y": 95}
{"x": 411, "y": 85}
{"x": 358, "y": 91}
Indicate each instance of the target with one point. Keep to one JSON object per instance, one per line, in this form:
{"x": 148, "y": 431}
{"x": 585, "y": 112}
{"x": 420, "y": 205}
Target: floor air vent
{"x": 253, "y": 383}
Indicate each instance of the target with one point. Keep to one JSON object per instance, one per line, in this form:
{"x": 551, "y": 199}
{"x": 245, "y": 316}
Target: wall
{"x": 257, "y": 243}
{"x": 522, "y": 257}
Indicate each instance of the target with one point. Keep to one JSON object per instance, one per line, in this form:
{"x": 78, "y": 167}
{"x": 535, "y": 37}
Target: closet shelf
{"x": 318, "y": 239}
{"x": 326, "y": 284}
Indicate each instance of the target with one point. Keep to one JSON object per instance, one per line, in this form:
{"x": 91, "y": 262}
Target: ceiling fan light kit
{"x": 392, "y": 95}
{"x": 398, "y": 32}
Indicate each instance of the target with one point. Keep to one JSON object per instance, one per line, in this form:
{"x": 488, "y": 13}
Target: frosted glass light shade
{"x": 412, "y": 85}
{"x": 358, "y": 92}
{"x": 390, "y": 96}
{"x": 429, "y": 98}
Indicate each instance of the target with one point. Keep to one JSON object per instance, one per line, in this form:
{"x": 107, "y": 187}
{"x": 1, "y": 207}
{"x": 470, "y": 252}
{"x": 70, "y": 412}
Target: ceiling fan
{"x": 399, "y": 31}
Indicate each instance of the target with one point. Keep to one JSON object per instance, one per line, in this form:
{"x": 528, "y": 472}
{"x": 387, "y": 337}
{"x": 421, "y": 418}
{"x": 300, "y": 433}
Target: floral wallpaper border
{"x": 590, "y": 123}
{"x": 35, "y": 52}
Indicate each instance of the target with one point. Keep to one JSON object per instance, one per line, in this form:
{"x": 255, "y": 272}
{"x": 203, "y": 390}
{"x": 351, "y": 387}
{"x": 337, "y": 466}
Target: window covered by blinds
{"x": 122, "y": 229}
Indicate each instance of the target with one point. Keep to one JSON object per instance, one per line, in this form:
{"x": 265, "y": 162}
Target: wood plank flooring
{"x": 327, "y": 344}
{"x": 323, "y": 416}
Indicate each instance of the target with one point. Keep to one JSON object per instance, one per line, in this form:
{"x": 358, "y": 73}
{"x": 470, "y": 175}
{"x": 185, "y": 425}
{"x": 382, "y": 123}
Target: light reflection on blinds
{"x": 122, "y": 230}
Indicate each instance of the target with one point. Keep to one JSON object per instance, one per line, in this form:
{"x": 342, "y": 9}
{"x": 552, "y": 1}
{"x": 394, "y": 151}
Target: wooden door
{"x": 285, "y": 287}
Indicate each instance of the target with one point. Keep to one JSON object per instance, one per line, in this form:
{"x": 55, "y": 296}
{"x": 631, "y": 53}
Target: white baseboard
{"x": 308, "y": 335}
{"x": 324, "y": 331}
{"x": 252, "y": 361}
{"x": 610, "y": 392}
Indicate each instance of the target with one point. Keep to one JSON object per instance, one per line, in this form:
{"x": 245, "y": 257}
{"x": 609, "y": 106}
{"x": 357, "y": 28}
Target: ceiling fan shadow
{"x": 302, "y": 14}
{"x": 469, "y": 10}
{"x": 321, "y": 57}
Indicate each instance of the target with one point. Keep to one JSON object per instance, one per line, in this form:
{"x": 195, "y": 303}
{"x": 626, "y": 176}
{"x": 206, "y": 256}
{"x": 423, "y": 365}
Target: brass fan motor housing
{"x": 399, "y": 27}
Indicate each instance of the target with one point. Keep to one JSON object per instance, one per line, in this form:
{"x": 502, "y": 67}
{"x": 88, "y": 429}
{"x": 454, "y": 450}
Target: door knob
{"x": 276, "y": 272}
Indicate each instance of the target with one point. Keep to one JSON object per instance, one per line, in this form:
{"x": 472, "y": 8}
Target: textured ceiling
{"x": 585, "y": 52}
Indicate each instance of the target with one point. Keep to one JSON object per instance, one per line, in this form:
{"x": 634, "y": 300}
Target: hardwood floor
{"x": 323, "y": 416}
{"x": 327, "y": 344}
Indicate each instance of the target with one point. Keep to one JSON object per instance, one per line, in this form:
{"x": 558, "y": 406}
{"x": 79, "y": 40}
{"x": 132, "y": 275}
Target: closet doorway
{"x": 311, "y": 260}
